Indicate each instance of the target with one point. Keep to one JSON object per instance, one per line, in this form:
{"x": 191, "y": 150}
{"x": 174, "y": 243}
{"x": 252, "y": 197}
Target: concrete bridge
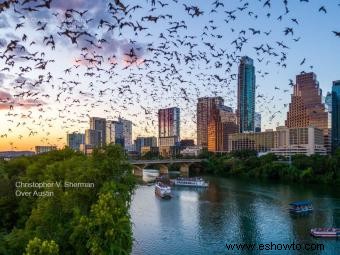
{"x": 139, "y": 165}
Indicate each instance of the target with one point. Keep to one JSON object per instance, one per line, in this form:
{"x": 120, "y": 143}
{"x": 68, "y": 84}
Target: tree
{"x": 244, "y": 154}
{"x": 40, "y": 247}
{"x": 109, "y": 227}
{"x": 73, "y": 220}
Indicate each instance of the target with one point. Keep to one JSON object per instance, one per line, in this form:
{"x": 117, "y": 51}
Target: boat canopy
{"x": 301, "y": 203}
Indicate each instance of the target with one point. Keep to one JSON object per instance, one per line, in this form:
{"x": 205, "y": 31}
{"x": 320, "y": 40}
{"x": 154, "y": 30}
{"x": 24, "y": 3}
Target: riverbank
{"x": 301, "y": 168}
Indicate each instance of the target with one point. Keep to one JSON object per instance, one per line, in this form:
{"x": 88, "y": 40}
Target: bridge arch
{"x": 139, "y": 165}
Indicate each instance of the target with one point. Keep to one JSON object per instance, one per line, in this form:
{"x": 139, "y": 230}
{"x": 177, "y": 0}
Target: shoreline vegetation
{"x": 77, "y": 220}
{"x": 300, "y": 168}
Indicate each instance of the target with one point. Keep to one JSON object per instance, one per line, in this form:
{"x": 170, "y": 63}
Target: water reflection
{"x": 202, "y": 221}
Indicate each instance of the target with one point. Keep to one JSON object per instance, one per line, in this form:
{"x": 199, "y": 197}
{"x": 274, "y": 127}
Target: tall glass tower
{"x": 335, "y": 115}
{"x": 246, "y": 95}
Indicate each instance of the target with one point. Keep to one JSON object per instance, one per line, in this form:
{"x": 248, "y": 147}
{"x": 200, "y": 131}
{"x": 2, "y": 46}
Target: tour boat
{"x": 301, "y": 207}
{"x": 163, "y": 179}
{"x": 325, "y": 232}
{"x": 193, "y": 182}
{"x": 162, "y": 190}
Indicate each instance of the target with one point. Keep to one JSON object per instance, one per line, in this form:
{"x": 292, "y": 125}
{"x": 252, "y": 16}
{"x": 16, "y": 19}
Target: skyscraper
{"x": 93, "y": 137}
{"x": 141, "y": 142}
{"x": 205, "y": 106}
{"x": 115, "y": 132}
{"x": 99, "y": 124}
{"x": 328, "y": 106}
{"x": 74, "y": 140}
{"x": 257, "y": 122}
{"x": 246, "y": 95}
{"x": 306, "y": 108}
{"x": 335, "y": 115}
{"x": 221, "y": 124}
{"x": 169, "y": 129}
{"x": 127, "y": 133}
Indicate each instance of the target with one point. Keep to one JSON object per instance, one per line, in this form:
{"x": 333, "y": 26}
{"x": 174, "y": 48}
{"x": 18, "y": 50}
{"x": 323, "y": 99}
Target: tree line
{"x": 300, "y": 168}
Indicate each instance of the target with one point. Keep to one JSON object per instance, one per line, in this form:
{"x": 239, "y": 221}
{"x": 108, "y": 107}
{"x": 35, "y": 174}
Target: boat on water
{"x": 325, "y": 232}
{"x": 162, "y": 190}
{"x": 192, "y": 182}
{"x": 163, "y": 179}
{"x": 301, "y": 207}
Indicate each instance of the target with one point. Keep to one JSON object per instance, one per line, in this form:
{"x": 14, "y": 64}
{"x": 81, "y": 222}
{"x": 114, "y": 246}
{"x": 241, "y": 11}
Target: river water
{"x": 231, "y": 211}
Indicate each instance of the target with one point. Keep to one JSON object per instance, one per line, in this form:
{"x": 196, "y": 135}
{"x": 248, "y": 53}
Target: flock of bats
{"x": 131, "y": 58}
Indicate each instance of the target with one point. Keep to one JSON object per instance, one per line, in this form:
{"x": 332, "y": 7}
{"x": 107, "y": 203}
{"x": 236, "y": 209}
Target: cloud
{"x": 7, "y": 101}
{"x": 3, "y": 22}
{"x": 3, "y": 42}
{"x": 2, "y": 78}
{"x": 112, "y": 46}
{"x": 76, "y": 4}
{"x": 5, "y": 96}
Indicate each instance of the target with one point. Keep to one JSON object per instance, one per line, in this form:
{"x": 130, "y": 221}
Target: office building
{"x": 292, "y": 141}
{"x": 306, "y": 107}
{"x": 328, "y": 101}
{"x": 169, "y": 130}
{"x": 328, "y": 107}
{"x": 187, "y": 143}
{"x": 7, "y": 155}
{"x": 191, "y": 151}
{"x": 335, "y": 115}
{"x": 115, "y": 132}
{"x": 257, "y": 122}
{"x": 205, "y": 106}
{"x": 246, "y": 95}
{"x": 87, "y": 149}
{"x": 284, "y": 141}
{"x": 260, "y": 142}
{"x": 142, "y": 142}
{"x": 127, "y": 133}
{"x": 221, "y": 124}
{"x": 44, "y": 149}
{"x": 93, "y": 138}
{"x": 99, "y": 124}
{"x": 74, "y": 140}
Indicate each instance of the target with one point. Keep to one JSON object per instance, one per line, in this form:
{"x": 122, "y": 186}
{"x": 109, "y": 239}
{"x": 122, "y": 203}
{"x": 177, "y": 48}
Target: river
{"x": 231, "y": 211}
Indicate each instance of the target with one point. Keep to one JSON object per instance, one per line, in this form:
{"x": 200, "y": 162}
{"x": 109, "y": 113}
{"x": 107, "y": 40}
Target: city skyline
{"x": 65, "y": 103}
{"x": 218, "y": 105}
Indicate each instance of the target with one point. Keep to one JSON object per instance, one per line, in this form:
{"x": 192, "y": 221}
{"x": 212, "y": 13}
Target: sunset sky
{"x": 60, "y": 98}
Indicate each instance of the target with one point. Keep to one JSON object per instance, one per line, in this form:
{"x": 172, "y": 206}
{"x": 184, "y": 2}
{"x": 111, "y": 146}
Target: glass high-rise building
{"x": 205, "y": 110}
{"x": 246, "y": 95}
{"x": 93, "y": 137}
{"x": 99, "y": 124}
{"x": 74, "y": 140}
{"x": 127, "y": 133}
{"x": 115, "y": 132}
{"x": 335, "y": 115}
{"x": 141, "y": 142}
{"x": 168, "y": 129}
{"x": 257, "y": 122}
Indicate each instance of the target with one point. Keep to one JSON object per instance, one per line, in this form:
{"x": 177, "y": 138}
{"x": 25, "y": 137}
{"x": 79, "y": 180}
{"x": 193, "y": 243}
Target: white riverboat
{"x": 326, "y": 232}
{"x": 162, "y": 190}
{"x": 192, "y": 182}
